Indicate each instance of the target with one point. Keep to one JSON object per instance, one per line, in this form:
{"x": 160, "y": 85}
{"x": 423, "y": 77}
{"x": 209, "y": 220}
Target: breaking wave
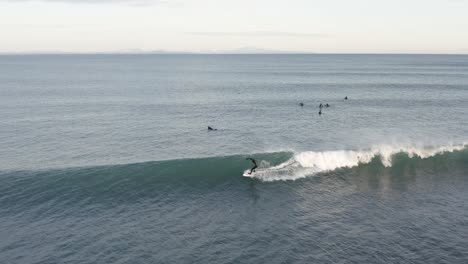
{"x": 312, "y": 162}
{"x": 278, "y": 166}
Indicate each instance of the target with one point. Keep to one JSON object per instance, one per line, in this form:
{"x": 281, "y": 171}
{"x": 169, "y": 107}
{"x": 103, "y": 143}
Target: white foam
{"x": 311, "y": 162}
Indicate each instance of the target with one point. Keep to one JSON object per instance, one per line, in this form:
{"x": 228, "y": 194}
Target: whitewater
{"x": 308, "y": 163}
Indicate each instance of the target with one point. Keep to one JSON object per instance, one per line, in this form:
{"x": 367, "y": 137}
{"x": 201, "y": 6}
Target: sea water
{"x": 107, "y": 159}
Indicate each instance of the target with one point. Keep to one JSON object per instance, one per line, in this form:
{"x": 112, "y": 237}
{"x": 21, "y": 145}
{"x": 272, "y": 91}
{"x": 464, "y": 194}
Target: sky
{"x": 216, "y": 26}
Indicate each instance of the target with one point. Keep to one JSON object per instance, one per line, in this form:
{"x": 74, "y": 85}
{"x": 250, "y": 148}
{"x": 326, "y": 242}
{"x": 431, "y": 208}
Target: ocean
{"x": 107, "y": 158}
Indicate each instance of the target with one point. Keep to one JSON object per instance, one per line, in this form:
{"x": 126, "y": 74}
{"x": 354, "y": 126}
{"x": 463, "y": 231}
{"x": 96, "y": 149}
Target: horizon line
{"x": 218, "y": 53}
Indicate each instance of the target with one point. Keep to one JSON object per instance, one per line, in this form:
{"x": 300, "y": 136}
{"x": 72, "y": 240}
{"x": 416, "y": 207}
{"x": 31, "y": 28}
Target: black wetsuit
{"x": 255, "y": 165}
{"x": 211, "y": 129}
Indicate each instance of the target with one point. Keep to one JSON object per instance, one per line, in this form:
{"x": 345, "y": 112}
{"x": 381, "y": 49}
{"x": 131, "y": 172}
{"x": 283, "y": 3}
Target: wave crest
{"x": 311, "y": 162}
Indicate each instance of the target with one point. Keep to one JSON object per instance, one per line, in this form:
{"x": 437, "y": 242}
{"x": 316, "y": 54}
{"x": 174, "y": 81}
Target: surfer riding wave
{"x": 254, "y": 167}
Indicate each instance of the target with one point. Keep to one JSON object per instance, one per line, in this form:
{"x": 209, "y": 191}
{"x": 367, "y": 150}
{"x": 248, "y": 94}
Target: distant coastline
{"x": 25, "y": 53}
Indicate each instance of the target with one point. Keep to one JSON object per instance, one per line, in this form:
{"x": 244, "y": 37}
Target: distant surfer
{"x": 327, "y": 105}
{"x": 301, "y": 104}
{"x": 346, "y": 98}
{"x": 255, "y": 165}
{"x": 320, "y": 112}
{"x": 211, "y": 129}
{"x": 321, "y": 106}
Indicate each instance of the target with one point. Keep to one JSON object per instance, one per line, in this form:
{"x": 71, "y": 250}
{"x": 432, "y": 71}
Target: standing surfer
{"x": 255, "y": 165}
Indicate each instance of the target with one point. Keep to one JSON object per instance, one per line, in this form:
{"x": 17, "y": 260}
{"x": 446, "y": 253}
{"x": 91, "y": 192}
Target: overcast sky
{"x": 324, "y": 26}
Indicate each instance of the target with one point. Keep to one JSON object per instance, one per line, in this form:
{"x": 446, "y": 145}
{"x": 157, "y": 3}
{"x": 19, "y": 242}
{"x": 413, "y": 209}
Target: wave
{"x": 158, "y": 180}
{"x": 272, "y": 166}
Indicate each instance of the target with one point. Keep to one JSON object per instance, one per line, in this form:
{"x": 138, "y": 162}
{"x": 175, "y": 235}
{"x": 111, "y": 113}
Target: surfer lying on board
{"x": 255, "y": 165}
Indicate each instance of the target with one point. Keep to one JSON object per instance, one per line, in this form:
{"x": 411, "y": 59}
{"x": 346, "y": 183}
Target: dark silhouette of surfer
{"x": 327, "y": 105}
{"x": 320, "y": 112}
{"x": 211, "y": 129}
{"x": 321, "y": 106}
{"x": 255, "y": 165}
{"x": 346, "y": 98}
{"x": 301, "y": 104}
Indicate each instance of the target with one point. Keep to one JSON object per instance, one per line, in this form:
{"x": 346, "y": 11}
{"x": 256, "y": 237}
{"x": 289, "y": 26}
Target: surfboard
{"x": 247, "y": 174}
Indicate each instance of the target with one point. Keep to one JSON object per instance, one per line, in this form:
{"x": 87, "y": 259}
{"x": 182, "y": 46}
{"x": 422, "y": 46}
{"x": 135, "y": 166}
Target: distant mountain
{"x": 141, "y": 51}
{"x": 256, "y": 50}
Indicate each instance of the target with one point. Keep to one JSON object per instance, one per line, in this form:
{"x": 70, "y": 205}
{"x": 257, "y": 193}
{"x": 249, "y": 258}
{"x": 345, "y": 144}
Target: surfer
{"x": 346, "y": 98}
{"x": 320, "y": 112}
{"x": 321, "y": 106}
{"x": 301, "y": 104}
{"x": 255, "y": 165}
{"x": 327, "y": 105}
{"x": 211, "y": 129}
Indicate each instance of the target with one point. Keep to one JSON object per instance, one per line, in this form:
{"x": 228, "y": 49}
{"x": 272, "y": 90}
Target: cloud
{"x": 129, "y": 2}
{"x": 257, "y": 34}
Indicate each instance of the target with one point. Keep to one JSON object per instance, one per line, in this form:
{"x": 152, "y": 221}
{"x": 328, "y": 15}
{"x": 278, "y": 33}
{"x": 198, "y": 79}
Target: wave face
{"x": 272, "y": 166}
{"x": 134, "y": 181}
{"x": 56, "y": 190}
